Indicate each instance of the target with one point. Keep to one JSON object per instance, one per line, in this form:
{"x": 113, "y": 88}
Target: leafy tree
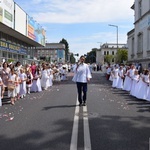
{"x": 72, "y": 59}
{"x": 121, "y": 55}
{"x": 108, "y": 58}
{"x": 63, "y": 41}
{"x": 91, "y": 56}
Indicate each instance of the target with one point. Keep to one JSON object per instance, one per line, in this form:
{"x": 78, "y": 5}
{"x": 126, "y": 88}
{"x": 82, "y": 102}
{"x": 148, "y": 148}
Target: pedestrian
{"x": 81, "y": 77}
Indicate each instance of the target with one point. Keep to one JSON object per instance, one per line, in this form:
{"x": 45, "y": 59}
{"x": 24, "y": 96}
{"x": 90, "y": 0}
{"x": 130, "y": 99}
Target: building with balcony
{"x": 108, "y": 49}
{"x": 139, "y": 37}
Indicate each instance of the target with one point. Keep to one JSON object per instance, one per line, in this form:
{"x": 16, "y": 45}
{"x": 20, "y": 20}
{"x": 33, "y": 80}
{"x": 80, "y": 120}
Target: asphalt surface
{"x": 44, "y": 121}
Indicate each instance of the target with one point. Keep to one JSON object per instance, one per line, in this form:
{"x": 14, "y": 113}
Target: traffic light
{"x": 77, "y": 54}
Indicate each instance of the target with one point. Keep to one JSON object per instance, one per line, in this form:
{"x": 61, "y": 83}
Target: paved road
{"x": 112, "y": 120}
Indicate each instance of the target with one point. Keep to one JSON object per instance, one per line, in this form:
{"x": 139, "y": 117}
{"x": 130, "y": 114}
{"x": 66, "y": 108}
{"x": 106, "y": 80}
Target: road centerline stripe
{"x": 87, "y": 140}
{"x": 74, "y": 137}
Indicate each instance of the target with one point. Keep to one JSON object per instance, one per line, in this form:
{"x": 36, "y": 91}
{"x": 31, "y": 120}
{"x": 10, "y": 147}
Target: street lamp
{"x": 117, "y": 32}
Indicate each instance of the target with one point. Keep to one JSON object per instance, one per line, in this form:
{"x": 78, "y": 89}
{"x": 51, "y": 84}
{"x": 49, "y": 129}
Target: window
{"x": 140, "y": 42}
{"x": 140, "y": 8}
{"x": 107, "y": 52}
{"x": 132, "y": 45}
{"x": 104, "y": 52}
{"x": 113, "y": 53}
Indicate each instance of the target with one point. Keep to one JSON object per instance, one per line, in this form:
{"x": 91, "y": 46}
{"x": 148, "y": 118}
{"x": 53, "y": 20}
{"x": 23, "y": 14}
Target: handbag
{"x": 11, "y": 87}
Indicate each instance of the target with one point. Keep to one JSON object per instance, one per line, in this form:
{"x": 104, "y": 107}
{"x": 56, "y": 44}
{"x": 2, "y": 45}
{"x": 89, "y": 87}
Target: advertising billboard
{"x": 35, "y": 31}
{"x": 7, "y": 12}
{"x": 20, "y": 20}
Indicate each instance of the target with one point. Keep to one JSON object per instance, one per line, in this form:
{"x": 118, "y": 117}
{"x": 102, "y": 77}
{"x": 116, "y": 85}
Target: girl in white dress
{"x": 23, "y": 78}
{"x": 135, "y": 80}
{"x": 44, "y": 78}
{"x": 11, "y": 83}
{"x": 29, "y": 80}
{"x": 143, "y": 90}
{"x": 116, "y": 77}
{"x": 36, "y": 85}
{"x": 120, "y": 80}
{"x": 51, "y": 77}
{"x": 17, "y": 89}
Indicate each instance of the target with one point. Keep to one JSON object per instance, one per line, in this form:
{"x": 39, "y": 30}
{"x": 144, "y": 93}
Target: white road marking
{"x": 87, "y": 140}
{"x": 74, "y": 137}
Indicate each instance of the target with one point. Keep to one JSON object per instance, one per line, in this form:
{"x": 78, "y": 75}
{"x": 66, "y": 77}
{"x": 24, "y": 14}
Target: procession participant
{"x": 116, "y": 77}
{"x": 36, "y": 85}
{"x": 23, "y": 78}
{"x": 135, "y": 80}
{"x": 5, "y": 75}
{"x": 29, "y": 80}
{"x": 108, "y": 71}
{"x": 44, "y": 78}
{"x": 81, "y": 77}
{"x": 144, "y": 86}
{"x": 18, "y": 66}
{"x": 33, "y": 68}
{"x": 17, "y": 89}
{"x": 12, "y": 86}
{"x": 121, "y": 77}
{"x": 126, "y": 80}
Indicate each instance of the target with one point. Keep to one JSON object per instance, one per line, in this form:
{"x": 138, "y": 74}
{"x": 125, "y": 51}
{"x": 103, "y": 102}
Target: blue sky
{"x": 83, "y": 23}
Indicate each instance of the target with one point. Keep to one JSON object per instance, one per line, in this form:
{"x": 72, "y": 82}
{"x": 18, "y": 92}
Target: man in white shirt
{"x": 81, "y": 77}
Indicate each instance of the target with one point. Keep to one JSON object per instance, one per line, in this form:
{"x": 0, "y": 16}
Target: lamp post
{"x": 117, "y": 32}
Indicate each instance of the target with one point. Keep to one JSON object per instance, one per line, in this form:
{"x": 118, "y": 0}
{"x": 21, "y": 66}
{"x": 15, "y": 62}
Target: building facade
{"x": 52, "y": 52}
{"x": 139, "y": 37}
{"x": 19, "y": 33}
{"x": 108, "y": 49}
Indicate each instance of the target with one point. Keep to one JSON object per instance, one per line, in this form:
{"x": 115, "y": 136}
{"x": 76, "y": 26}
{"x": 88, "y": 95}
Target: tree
{"x": 121, "y": 55}
{"x": 108, "y": 58}
{"x": 91, "y": 56}
{"x": 72, "y": 59}
{"x": 63, "y": 41}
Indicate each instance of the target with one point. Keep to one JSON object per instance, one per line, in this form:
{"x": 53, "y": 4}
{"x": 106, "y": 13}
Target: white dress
{"x": 115, "y": 78}
{"x": 143, "y": 90}
{"x": 120, "y": 80}
{"x": 135, "y": 80}
{"x": 17, "y": 89}
{"x": 51, "y": 77}
{"x": 23, "y": 89}
{"x": 36, "y": 85}
{"x": 13, "y": 92}
{"x": 44, "y": 79}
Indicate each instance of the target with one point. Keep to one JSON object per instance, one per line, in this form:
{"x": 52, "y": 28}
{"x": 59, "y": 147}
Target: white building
{"x": 139, "y": 37}
{"x": 108, "y": 49}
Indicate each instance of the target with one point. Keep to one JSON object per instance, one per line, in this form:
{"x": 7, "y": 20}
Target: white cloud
{"x": 73, "y": 11}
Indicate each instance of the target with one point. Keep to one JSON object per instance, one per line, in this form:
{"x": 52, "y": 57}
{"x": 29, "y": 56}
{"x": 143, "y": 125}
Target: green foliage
{"x": 108, "y": 58}
{"x": 63, "y": 41}
{"x": 121, "y": 55}
{"x": 72, "y": 59}
{"x": 91, "y": 56}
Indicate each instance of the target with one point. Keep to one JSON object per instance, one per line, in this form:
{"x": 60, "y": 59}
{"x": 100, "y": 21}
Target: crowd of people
{"x": 18, "y": 80}
{"x": 130, "y": 78}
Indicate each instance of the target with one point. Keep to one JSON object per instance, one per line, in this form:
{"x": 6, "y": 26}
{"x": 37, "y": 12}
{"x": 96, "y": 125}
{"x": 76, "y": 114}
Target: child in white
{"x": 23, "y": 78}
{"x": 36, "y": 84}
{"x": 29, "y": 80}
{"x": 135, "y": 80}
{"x": 12, "y": 81}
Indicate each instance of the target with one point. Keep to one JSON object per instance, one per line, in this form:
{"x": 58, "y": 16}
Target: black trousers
{"x": 82, "y": 91}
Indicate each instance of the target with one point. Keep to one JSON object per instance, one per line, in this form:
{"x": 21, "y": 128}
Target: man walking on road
{"x": 81, "y": 77}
